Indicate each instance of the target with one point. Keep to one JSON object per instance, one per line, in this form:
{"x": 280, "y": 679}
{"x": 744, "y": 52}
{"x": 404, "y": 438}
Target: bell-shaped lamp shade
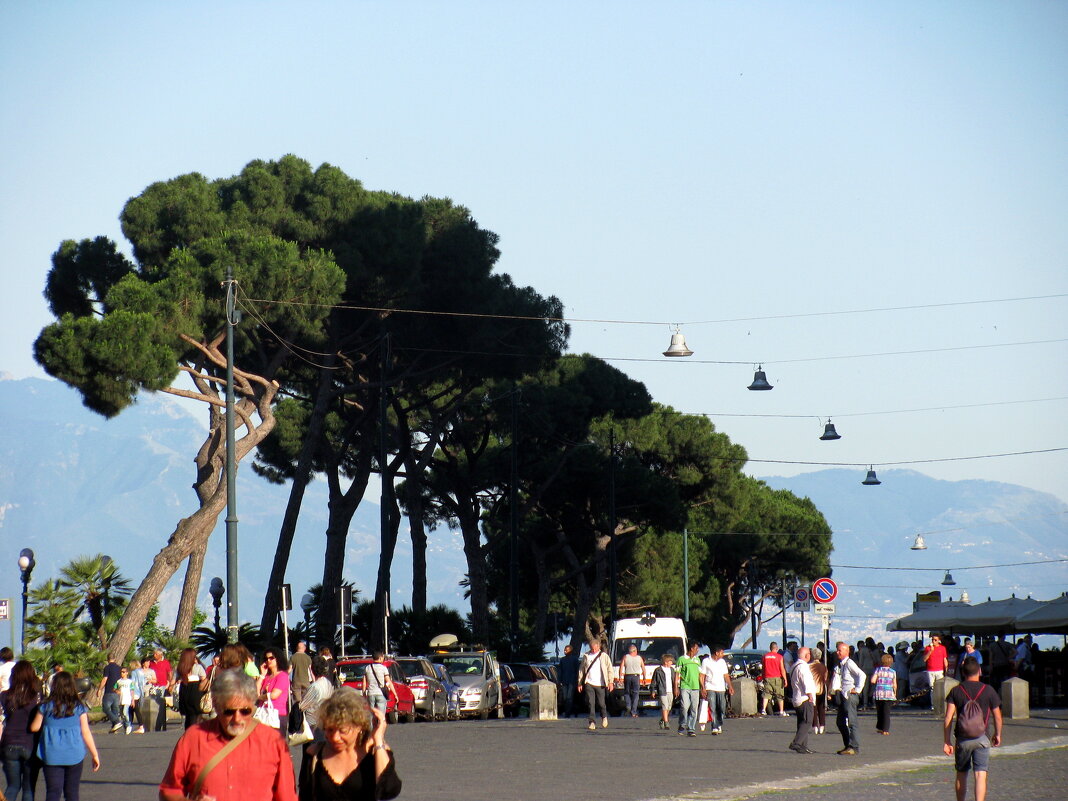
{"x": 965, "y": 598}
{"x": 829, "y": 433}
{"x": 919, "y": 544}
{"x": 760, "y": 380}
{"x": 678, "y": 345}
{"x": 948, "y": 580}
{"x": 871, "y": 479}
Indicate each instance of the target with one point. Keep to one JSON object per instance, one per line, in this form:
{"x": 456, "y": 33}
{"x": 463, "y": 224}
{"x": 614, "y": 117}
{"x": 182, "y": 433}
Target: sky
{"x": 763, "y": 174}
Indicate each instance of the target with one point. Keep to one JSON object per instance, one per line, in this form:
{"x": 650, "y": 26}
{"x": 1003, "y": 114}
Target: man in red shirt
{"x": 936, "y": 662}
{"x": 774, "y": 680}
{"x": 258, "y": 766}
{"x": 161, "y": 683}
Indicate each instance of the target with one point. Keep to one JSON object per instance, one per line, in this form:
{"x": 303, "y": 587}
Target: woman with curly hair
{"x": 63, "y": 721}
{"x": 354, "y": 763}
{"x": 18, "y": 703}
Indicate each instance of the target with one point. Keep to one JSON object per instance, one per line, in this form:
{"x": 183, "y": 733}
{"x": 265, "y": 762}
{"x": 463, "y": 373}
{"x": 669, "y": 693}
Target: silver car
{"x": 479, "y": 677}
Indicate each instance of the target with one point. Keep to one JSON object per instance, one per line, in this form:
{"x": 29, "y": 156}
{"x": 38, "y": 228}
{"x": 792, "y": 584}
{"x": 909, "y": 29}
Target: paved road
{"x": 521, "y": 760}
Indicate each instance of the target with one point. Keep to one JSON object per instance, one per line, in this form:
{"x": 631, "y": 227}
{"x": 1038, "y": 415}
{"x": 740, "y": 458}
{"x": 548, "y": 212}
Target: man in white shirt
{"x": 7, "y": 664}
{"x": 847, "y": 684}
{"x": 595, "y": 679}
{"x": 717, "y": 686}
{"x": 804, "y": 698}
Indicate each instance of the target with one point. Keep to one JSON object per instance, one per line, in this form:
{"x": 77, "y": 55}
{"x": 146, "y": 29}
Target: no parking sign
{"x": 824, "y": 590}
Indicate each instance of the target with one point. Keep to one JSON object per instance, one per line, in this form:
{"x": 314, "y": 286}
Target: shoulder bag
{"x": 222, "y": 754}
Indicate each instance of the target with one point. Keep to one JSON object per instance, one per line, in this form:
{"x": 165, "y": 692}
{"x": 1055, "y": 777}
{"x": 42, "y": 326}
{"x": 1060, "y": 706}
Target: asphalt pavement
{"x": 632, "y": 760}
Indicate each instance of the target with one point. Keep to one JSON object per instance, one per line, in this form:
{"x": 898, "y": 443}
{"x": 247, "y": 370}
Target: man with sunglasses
{"x": 256, "y": 764}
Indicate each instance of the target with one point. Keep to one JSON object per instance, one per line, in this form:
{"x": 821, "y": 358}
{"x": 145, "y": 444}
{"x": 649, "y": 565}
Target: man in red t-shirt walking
{"x": 936, "y": 656}
{"x": 774, "y": 680}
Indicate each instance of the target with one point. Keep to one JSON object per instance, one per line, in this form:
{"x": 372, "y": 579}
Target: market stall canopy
{"x": 1049, "y": 618}
{"x": 992, "y": 617}
{"x": 937, "y": 617}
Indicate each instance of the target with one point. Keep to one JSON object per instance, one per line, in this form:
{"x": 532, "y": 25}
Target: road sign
{"x": 825, "y": 609}
{"x": 802, "y": 595}
{"x": 5, "y": 608}
{"x": 802, "y": 606}
{"x": 824, "y": 590}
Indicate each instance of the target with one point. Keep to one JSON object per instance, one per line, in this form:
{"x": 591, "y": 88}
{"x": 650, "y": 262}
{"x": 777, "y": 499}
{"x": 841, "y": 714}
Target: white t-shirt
{"x": 5, "y": 675}
{"x": 715, "y": 672}
{"x": 594, "y": 674}
{"x": 374, "y": 679}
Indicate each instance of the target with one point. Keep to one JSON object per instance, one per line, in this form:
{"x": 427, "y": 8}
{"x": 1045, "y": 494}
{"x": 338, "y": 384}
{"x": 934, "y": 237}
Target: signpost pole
{"x": 802, "y": 628}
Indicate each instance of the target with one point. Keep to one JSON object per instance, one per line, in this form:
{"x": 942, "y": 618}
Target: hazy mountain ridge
{"x": 74, "y": 483}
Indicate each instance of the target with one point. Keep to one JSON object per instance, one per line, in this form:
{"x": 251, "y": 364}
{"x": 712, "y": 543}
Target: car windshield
{"x": 651, "y": 649}
{"x": 461, "y": 665}
{"x": 411, "y": 667}
{"x": 523, "y": 673}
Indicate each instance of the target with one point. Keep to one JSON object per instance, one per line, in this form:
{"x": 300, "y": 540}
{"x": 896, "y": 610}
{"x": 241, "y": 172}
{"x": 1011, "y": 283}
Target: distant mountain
{"x": 966, "y": 525}
{"x": 72, "y": 483}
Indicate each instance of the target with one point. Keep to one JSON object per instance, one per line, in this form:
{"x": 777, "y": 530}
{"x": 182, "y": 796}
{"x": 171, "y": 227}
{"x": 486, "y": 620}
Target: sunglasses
{"x": 244, "y": 712}
{"x": 272, "y": 659}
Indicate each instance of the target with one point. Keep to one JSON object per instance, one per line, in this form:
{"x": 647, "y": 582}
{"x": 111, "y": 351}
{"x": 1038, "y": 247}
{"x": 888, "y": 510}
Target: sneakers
{"x": 717, "y": 731}
{"x": 702, "y": 727}
{"x": 116, "y": 727}
{"x": 592, "y": 726}
{"x": 681, "y": 731}
{"x": 662, "y": 724}
{"x": 691, "y": 734}
{"x": 784, "y": 714}
{"x": 129, "y": 729}
{"x": 763, "y": 713}
{"x": 847, "y": 752}
{"x": 604, "y": 723}
{"x": 139, "y": 730}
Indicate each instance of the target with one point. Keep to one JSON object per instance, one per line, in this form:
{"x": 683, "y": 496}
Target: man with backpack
{"x": 973, "y": 703}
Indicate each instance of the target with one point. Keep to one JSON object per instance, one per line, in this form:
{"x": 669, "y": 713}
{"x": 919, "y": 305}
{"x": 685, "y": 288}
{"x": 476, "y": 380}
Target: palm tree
{"x": 97, "y": 580}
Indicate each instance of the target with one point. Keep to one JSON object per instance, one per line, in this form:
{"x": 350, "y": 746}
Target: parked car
{"x": 510, "y": 692}
{"x": 526, "y": 674}
{"x": 750, "y": 663}
{"x": 452, "y": 690}
{"x": 478, "y": 674}
{"x": 399, "y": 706}
{"x": 431, "y": 700}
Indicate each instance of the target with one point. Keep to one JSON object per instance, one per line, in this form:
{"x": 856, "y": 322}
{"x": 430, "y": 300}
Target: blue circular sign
{"x": 824, "y": 590}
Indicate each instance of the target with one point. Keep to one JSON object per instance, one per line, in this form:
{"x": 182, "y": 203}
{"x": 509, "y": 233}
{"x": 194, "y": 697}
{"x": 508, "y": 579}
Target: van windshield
{"x": 461, "y": 665}
{"x": 651, "y": 649}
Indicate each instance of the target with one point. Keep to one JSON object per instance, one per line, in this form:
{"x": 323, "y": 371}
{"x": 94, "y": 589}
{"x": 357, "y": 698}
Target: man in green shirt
{"x": 688, "y": 688}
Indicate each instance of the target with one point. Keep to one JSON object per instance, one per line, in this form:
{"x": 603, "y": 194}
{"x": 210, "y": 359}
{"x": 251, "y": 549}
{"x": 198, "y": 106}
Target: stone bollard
{"x": 942, "y": 689}
{"x": 543, "y": 700}
{"x": 1015, "y": 699}
{"x": 744, "y": 700}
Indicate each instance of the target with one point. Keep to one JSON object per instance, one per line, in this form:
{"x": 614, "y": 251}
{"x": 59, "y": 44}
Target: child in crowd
{"x": 125, "y": 688}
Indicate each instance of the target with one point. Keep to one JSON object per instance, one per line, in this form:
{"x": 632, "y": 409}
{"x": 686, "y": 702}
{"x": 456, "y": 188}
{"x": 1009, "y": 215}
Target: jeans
{"x": 847, "y": 719}
{"x": 110, "y": 706}
{"x": 20, "y": 769}
{"x": 62, "y": 781}
{"x": 688, "y": 702}
{"x": 882, "y": 720}
{"x": 595, "y": 702}
{"x": 632, "y": 683}
{"x": 717, "y": 707}
{"x": 567, "y": 698}
{"x": 378, "y": 701}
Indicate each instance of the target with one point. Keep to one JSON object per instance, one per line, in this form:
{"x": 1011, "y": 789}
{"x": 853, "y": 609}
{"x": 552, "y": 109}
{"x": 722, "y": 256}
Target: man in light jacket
{"x": 847, "y": 684}
{"x": 595, "y": 678}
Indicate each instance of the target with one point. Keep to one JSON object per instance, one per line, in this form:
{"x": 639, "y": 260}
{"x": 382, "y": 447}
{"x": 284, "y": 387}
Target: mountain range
{"x": 73, "y": 483}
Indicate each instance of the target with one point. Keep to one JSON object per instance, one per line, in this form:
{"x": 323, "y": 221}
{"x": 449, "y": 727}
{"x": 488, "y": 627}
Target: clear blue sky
{"x": 670, "y": 162}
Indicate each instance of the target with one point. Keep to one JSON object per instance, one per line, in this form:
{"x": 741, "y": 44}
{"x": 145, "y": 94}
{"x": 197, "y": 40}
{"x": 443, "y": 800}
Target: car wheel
{"x": 410, "y": 717}
{"x": 483, "y": 714}
{"x": 391, "y": 718}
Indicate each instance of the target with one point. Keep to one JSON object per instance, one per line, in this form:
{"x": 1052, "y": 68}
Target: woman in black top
{"x": 354, "y": 763}
{"x": 19, "y": 702}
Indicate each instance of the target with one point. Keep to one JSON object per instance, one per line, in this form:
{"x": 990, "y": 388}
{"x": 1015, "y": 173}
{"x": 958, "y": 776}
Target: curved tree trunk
{"x": 476, "y": 574}
{"x": 194, "y": 569}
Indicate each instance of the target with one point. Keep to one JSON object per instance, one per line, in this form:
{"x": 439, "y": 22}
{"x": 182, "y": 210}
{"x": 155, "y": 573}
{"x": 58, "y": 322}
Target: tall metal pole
{"x": 782, "y": 587}
{"x": 232, "y": 317}
{"x": 686, "y": 574}
{"x": 613, "y": 590}
{"x": 513, "y": 504}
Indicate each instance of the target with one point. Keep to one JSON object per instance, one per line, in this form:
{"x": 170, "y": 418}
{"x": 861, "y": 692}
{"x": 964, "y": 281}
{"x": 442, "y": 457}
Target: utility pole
{"x": 612, "y": 567}
{"x": 513, "y": 505}
{"x": 233, "y": 316}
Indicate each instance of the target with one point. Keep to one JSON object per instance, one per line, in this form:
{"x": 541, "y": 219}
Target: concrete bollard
{"x": 744, "y": 700}
{"x": 943, "y": 687}
{"x": 1015, "y": 699}
{"x": 543, "y": 700}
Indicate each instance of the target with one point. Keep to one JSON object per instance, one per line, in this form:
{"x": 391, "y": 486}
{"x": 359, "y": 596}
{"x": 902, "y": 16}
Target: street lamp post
{"x": 216, "y": 590}
{"x": 26, "y": 565}
{"x": 105, "y": 562}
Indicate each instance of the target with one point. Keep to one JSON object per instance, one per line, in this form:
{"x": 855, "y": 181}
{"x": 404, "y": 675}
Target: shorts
{"x": 971, "y": 755}
{"x": 378, "y": 701}
{"x": 666, "y": 702}
{"x": 773, "y": 688}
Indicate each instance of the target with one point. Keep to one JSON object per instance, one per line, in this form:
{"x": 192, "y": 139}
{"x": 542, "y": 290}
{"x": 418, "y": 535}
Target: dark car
{"x": 431, "y": 699}
{"x": 452, "y": 690}
{"x": 526, "y": 674}
{"x": 509, "y": 692}
{"x": 399, "y": 706}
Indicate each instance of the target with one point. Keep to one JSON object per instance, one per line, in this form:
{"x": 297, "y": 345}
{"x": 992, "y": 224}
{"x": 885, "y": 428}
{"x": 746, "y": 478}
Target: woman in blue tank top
{"x": 63, "y": 722}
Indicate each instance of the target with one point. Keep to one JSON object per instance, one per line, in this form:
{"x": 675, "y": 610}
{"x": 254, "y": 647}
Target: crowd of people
{"x": 241, "y": 718}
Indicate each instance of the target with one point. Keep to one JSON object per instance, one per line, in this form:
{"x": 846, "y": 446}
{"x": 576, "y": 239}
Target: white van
{"x": 654, "y": 637}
